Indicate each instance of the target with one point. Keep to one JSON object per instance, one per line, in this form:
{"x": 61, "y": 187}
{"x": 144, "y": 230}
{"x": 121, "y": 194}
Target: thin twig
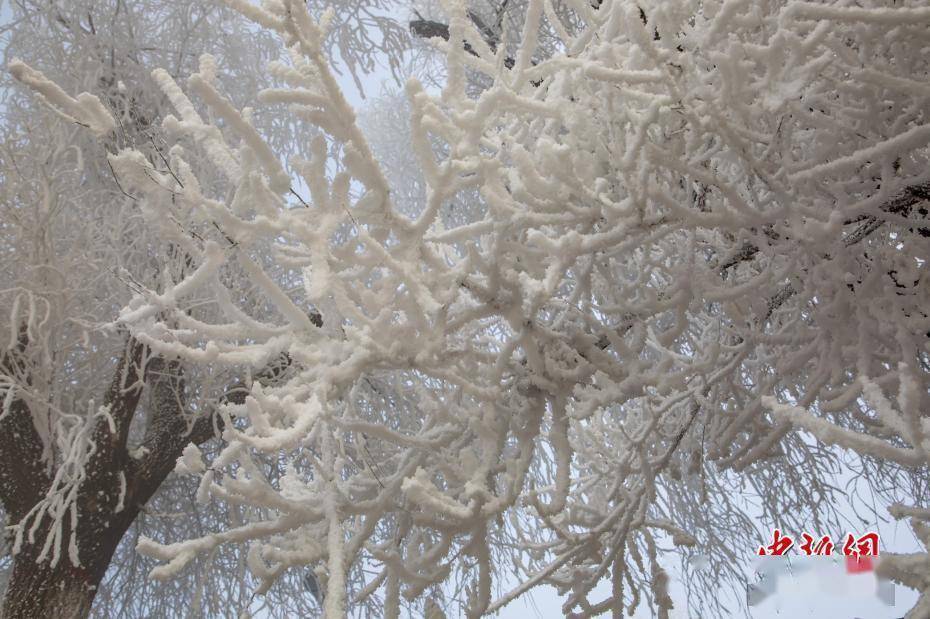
{"x": 123, "y": 191}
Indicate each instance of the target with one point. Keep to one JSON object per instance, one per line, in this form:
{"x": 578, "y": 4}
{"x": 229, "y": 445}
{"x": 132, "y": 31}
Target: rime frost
{"x": 645, "y": 257}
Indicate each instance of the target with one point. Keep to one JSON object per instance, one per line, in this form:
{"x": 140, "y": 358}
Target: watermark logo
{"x": 857, "y": 550}
{"x": 801, "y": 557}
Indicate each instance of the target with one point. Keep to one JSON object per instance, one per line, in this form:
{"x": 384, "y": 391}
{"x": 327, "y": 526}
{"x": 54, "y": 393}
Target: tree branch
{"x": 901, "y": 204}
{"x": 121, "y": 399}
{"x": 427, "y": 29}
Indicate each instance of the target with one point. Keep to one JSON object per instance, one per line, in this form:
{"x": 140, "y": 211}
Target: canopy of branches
{"x": 633, "y": 280}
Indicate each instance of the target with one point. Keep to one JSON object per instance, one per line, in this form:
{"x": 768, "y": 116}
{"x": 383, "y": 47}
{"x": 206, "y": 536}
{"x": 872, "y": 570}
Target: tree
{"x": 76, "y": 245}
{"x": 691, "y": 253}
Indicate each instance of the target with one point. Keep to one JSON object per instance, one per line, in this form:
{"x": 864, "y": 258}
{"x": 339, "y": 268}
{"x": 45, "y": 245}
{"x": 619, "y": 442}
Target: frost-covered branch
{"x": 641, "y": 257}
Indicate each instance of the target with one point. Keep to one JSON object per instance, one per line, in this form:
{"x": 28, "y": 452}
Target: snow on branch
{"x": 634, "y": 242}
{"x": 85, "y": 110}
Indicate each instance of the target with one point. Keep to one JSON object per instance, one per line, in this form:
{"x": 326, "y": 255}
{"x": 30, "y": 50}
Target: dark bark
{"x": 426, "y": 29}
{"x": 23, "y": 476}
{"x": 39, "y": 589}
{"x": 105, "y": 512}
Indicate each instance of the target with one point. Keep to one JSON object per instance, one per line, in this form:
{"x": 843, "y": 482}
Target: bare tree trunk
{"x": 115, "y": 489}
{"x": 110, "y": 497}
{"x": 38, "y": 589}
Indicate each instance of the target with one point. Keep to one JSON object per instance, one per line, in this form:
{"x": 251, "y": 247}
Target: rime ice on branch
{"x": 692, "y": 230}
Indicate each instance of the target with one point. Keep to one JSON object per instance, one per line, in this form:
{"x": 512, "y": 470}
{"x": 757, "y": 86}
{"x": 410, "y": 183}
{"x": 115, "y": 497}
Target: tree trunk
{"x": 114, "y": 490}
{"x": 39, "y": 590}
